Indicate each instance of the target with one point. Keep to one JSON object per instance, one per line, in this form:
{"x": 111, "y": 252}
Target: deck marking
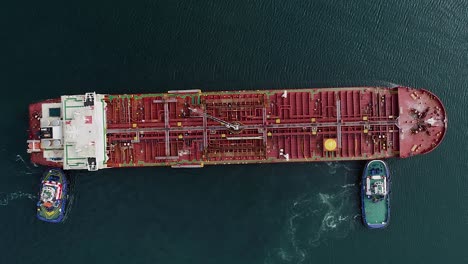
{"x": 166, "y": 127}
{"x": 338, "y": 122}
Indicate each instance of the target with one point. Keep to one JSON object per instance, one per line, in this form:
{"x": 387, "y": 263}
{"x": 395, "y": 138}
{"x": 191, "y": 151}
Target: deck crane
{"x": 231, "y": 126}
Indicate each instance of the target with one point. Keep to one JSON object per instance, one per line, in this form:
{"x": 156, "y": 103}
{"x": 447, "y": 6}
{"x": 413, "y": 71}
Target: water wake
{"x": 20, "y": 159}
{"x": 332, "y": 167}
{"x": 314, "y": 219}
{"x": 27, "y": 169}
{"x": 6, "y": 198}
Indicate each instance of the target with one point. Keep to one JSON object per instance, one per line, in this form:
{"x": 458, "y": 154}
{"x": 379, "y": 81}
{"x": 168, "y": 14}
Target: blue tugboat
{"x": 375, "y": 194}
{"x": 52, "y": 196}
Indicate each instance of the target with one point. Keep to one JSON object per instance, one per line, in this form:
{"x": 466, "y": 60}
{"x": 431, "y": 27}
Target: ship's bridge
{"x": 84, "y": 125}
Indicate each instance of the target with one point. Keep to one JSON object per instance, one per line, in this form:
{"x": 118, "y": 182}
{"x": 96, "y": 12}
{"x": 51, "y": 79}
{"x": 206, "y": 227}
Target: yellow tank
{"x": 330, "y": 144}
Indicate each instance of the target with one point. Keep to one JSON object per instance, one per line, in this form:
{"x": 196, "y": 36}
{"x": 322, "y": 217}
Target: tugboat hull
{"x": 375, "y": 194}
{"x": 52, "y": 196}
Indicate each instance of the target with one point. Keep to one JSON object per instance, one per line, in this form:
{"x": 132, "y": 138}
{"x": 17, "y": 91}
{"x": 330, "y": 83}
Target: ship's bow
{"x": 422, "y": 121}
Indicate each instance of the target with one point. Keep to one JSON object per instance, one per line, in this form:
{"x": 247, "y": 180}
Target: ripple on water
{"x": 6, "y": 198}
{"x": 315, "y": 218}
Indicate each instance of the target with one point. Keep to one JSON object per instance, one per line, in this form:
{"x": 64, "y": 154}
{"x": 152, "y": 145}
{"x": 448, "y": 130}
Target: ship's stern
{"x": 45, "y": 142}
{"x": 68, "y": 132}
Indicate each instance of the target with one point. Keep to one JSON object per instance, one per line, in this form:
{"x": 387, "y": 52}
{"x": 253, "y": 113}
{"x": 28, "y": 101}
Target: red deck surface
{"x": 172, "y": 129}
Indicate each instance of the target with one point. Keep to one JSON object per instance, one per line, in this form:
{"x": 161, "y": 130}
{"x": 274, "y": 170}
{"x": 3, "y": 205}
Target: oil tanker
{"x": 190, "y": 128}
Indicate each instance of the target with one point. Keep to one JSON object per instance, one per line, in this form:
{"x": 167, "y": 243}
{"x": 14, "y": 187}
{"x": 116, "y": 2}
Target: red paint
{"x": 171, "y": 129}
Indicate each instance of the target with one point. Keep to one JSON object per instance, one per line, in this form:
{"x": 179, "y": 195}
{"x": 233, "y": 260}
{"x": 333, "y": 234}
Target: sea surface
{"x": 238, "y": 214}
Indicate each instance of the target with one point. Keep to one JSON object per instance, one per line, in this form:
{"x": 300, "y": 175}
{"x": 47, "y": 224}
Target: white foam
{"x": 6, "y": 198}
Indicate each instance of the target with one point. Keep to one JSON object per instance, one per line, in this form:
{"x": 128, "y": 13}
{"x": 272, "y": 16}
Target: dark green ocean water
{"x": 252, "y": 214}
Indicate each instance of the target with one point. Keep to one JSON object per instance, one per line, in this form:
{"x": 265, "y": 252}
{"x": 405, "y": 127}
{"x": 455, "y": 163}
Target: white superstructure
{"x": 73, "y": 132}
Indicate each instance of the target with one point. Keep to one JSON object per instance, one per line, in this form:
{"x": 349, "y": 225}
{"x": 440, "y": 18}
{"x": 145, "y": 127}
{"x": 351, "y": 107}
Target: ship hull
{"x": 190, "y": 129}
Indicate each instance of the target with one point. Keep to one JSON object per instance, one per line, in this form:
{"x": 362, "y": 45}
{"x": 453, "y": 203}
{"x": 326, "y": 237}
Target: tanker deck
{"x": 192, "y": 129}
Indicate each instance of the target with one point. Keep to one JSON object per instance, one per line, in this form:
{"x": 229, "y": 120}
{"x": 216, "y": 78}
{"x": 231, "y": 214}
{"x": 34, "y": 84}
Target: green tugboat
{"x": 375, "y": 194}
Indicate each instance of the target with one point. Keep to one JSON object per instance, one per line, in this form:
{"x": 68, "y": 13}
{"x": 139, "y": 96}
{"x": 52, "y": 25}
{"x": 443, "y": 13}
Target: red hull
{"x": 192, "y": 129}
